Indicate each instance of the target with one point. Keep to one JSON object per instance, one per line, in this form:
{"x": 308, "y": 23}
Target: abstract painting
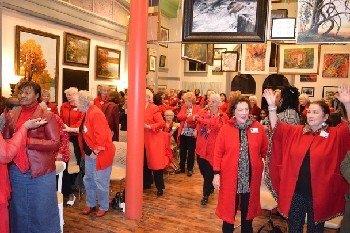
{"x": 335, "y": 66}
{"x": 76, "y": 50}
{"x": 255, "y": 58}
{"x": 301, "y": 59}
{"x": 229, "y": 61}
{"x": 36, "y": 58}
{"x": 224, "y": 21}
{"x": 325, "y": 21}
{"x": 107, "y": 63}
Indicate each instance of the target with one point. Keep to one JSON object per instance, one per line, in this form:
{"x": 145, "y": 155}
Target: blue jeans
{"x": 33, "y": 203}
{"x": 96, "y": 184}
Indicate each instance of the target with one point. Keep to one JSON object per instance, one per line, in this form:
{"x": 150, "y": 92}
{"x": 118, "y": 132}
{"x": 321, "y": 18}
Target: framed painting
{"x": 218, "y": 52}
{"x": 229, "y": 61}
{"x": 308, "y": 78}
{"x": 255, "y": 58}
{"x": 283, "y": 29}
{"x": 107, "y": 63}
{"x": 193, "y": 66}
{"x": 195, "y": 52}
{"x": 325, "y": 21}
{"x": 279, "y": 13}
{"x": 36, "y": 58}
{"x": 152, "y": 63}
{"x": 76, "y": 50}
{"x": 217, "y": 65}
{"x": 335, "y": 65}
{"x": 224, "y": 21}
{"x": 310, "y": 91}
{"x": 163, "y": 36}
{"x": 210, "y": 54}
{"x": 300, "y": 59}
{"x": 162, "y": 60}
{"x": 329, "y": 91}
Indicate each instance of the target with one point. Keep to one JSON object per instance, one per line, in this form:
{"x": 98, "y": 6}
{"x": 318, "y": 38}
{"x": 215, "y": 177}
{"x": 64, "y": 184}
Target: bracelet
{"x": 272, "y": 108}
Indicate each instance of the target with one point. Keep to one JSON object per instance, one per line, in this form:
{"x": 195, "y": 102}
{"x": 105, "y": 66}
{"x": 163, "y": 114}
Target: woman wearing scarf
{"x": 305, "y": 165}
{"x": 240, "y": 147}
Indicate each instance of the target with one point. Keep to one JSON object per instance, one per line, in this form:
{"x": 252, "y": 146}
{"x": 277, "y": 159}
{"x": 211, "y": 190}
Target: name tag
{"x": 254, "y": 130}
{"x": 324, "y": 134}
{"x": 85, "y": 129}
{"x": 75, "y": 109}
{"x": 48, "y": 109}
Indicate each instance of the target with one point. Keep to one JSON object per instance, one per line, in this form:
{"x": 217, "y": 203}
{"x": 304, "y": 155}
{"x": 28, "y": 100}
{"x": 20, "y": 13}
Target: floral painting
{"x": 76, "y": 50}
{"x": 256, "y": 58}
{"x": 335, "y": 66}
{"x": 36, "y": 56}
{"x": 107, "y": 63}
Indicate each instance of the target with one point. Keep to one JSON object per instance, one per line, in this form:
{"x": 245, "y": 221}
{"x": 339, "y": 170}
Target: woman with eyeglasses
{"x": 305, "y": 165}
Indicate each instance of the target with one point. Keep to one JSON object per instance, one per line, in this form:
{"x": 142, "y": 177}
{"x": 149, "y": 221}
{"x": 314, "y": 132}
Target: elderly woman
{"x": 99, "y": 151}
{"x": 209, "y": 123}
{"x": 155, "y": 142}
{"x": 8, "y": 151}
{"x": 305, "y": 165}
{"x": 240, "y": 147}
{"x": 188, "y": 132}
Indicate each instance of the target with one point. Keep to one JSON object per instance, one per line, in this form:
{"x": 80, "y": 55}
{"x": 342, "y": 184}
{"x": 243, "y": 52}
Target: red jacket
{"x": 111, "y": 111}
{"x": 183, "y": 118}
{"x": 156, "y": 140}
{"x": 8, "y": 150}
{"x": 327, "y": 150}
{"x": 70, "y": 115}
{"x": 98, "y": 136}
{"x": 208, "y": 128}
{"x": 226, "y": 155}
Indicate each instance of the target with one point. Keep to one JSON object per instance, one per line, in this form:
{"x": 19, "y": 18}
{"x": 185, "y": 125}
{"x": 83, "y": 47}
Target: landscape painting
{"x": 107, "y": 63}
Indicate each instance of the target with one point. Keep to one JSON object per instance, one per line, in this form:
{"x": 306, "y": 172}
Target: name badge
{"x": 85, "y": 129}
{"x": 75, "y": 109}
{"x": 48, "y": 109}
{"x": 324, "y": 134}
{"x": 254, "y": 130}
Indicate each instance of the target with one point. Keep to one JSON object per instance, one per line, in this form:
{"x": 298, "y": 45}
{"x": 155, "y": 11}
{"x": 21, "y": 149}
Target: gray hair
{"x": 71, "y": 90}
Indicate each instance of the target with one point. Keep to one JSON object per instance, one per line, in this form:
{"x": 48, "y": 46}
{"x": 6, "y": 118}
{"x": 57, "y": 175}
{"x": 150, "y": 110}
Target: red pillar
{"x": 136, "y": 107}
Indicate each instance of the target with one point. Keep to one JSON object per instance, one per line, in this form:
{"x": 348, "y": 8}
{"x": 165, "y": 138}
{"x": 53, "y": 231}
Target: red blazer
{"x": 289, "y": 148}
{"x": 182, "y": 117}
{"x": 8, "y": 150}
{"x": 208, "y": 128}
{"x": 226, "y": 155}
{"x": 70, "y": 115}
{"x": 156, "y": 141}
{"x": 98, "y": 136}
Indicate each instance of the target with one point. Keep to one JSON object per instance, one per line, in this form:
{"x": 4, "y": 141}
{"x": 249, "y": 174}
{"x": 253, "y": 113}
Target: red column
{"x": 136, "y": 107}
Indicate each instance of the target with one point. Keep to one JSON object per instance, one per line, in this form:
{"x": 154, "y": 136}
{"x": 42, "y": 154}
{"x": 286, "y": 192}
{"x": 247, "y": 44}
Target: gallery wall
{"x": 12, "y": 18}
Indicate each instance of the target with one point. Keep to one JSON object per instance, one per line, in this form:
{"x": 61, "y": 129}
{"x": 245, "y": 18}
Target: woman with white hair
{"x": 72, "y": 118}
{"x": 99, "y": 151}
{"x": 209, "y": 123}
{"x": 155, "y": 143}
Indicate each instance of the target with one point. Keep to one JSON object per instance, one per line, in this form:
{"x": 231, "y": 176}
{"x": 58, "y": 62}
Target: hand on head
{"x": 270, "y": 97}
{"x": 344, "y": 94}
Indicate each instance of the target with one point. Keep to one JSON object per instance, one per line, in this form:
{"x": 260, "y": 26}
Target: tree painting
{"x": 324, "y": 21}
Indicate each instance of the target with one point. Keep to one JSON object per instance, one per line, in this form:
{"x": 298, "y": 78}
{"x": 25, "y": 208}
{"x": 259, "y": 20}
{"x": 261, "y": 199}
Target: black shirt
{"x": 304, "y": 179}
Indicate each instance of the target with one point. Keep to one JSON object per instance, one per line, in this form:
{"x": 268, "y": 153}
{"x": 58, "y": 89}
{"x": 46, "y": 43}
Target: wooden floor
{"x": 177, "y": 211}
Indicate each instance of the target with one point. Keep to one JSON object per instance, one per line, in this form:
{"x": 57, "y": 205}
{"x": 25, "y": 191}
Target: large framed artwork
{"x": 195, "y": 52}
{"x": 76, "y": 50}
{"x": 334, "y": 61}
{"x": 323, "y": 21}
{"x": 224, "y": 21}
{"x": 298, "y": 59}
{"x": 107, "y": 63}
{"x": 255, "y": 58}
{"x": 229, "y": 61}
{"x": 36, "y": 58}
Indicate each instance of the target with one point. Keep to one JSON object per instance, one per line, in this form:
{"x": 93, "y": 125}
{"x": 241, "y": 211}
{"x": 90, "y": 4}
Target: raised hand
{"x": 270, "y": 97}
{"x": 344, "y": 94}
{"x": 34, "y": 123}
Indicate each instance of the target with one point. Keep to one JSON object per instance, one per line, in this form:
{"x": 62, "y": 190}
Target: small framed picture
{"x": 308, "y": 78}
{"x": 310, "y": 91}
{"x": 229, "y": 61}
{"x": 152, "y": 63}
{"x": 329, "y": 91}
{"x": 162, "y": 60}
{"x": 164, "y": 36}
{"x": 283, "y": 29}
{"x": 279, "y": 13}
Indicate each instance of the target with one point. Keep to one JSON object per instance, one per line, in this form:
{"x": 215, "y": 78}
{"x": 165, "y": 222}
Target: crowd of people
{"x": 299, "y": 144}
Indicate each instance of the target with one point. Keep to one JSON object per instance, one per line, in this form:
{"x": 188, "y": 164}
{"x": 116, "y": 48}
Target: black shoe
{"x": 160, "y": 192}
{"x": 179, "y": 171}
{"x": 204, "y": 201}
{"x": 189, "y": 173}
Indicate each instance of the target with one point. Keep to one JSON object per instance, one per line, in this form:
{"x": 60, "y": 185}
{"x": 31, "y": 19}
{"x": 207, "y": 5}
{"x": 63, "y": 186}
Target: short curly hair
{"x": 234, "y": 102}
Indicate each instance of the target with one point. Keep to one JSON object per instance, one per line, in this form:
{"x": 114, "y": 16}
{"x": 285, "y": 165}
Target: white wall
{"x": 12, "y": 18}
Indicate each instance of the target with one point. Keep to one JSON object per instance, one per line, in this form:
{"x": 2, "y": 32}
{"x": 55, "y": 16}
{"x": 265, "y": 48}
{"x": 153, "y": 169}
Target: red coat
{"x": 98, "y": 136}
{"x": 208, "y": 128}
{"x": 290, "y": 146}
{"x": 183, "y": 118}
{"x": 226, "y": 155}
{"x": 70, "y": 115}
{"x": 156, "y": 141}
{"x": 8, "y": 150}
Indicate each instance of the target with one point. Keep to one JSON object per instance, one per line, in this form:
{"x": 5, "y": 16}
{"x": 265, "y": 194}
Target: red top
{"x": 224, "y": 107}
{"x": 52, "y": 107}
{"x": 327, "y": 149}
{"x": 70, "y": 115}
{"x": 187, "y": 120}
{"x": 99, "y": 102}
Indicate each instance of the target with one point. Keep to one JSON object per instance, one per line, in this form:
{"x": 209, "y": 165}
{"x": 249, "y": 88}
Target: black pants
{"x": 247, "y": 226}
{"x": 152, "y": 175}
{"x": 208, "y": 175}
{"x": 302, "y": 205}
{"x": 69, "y": 180}
{"x": 187, "y": 148}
